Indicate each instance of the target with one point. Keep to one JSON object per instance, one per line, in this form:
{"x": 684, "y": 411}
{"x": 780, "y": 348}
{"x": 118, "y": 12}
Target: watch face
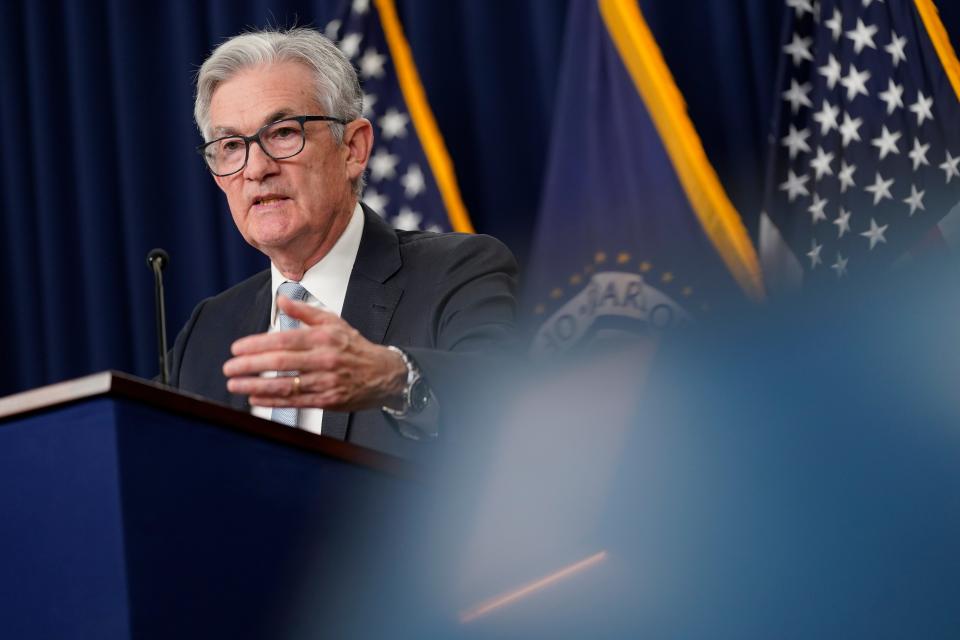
{"x": 419, "y": 395}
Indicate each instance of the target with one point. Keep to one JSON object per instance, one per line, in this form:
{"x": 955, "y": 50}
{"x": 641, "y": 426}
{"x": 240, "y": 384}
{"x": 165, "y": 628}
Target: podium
{"x": 130, "y": 510}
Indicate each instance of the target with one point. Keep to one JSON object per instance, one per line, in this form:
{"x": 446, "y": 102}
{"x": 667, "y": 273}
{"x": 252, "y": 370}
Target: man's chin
{"x": 270, "y": 243}
{"x": 270, "y": 231}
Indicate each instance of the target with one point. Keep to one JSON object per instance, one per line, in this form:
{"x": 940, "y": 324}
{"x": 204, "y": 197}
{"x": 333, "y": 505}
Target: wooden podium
{"x": 133, "y": 511}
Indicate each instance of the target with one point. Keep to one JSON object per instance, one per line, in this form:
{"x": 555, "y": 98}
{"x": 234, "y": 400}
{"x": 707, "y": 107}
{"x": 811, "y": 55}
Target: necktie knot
{"x": 292, "y": 290}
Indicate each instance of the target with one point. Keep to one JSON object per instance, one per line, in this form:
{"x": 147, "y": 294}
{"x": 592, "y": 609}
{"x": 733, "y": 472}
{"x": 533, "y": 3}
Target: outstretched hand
{"x": 338, "y": 368}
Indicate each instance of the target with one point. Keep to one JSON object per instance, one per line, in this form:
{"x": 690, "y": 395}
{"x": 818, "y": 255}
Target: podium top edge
{"x": 54, "y": 394}
{"x": 121, "y": 385}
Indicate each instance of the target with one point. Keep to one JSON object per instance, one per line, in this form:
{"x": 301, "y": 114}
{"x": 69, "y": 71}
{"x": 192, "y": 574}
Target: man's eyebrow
{"x": 277, "y": 115}
{"x": 220, "y": 132}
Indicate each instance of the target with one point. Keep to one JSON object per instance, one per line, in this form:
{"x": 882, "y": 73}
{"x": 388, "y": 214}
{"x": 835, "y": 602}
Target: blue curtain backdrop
{"x": 97, "y": 161}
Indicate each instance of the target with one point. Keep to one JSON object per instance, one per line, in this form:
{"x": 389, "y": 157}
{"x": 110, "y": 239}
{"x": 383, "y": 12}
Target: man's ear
{"x": 358, "y": 142}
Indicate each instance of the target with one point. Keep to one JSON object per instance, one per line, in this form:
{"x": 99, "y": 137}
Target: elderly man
{"x": 356, "y": 328}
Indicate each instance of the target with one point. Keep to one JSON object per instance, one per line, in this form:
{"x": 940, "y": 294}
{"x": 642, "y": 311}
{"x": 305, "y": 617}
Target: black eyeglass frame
{"x": 201, "y": 149}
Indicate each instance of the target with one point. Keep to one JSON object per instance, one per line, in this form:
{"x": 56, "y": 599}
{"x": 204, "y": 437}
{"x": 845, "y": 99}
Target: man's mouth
{"x": 267, "y": 200}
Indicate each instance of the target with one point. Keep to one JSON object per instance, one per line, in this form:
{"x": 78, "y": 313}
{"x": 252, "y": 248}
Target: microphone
{"x": 157, "y": 259}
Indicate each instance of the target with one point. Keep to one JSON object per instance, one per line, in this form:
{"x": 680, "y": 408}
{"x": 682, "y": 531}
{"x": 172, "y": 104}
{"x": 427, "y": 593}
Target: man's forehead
{"x": 262, "y": 94}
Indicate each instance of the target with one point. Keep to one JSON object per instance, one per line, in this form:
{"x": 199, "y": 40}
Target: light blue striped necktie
{"x": 294, "y": 291}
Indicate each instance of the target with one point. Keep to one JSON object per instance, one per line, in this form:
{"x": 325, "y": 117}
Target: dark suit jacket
{"x": 445, "y": 298}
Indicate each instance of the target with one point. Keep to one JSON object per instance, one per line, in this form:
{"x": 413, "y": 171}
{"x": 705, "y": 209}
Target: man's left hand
{"x": 338, "y": 369}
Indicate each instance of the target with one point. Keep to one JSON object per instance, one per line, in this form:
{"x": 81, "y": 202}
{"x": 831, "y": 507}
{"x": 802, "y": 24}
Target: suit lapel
{"x": 370, "y": 300}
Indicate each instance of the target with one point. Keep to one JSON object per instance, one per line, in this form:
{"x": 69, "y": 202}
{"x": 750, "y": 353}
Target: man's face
{"x": 288, "y": 209}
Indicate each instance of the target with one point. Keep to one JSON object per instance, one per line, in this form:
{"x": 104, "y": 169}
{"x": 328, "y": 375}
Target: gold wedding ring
{"x": 296, "y": 385}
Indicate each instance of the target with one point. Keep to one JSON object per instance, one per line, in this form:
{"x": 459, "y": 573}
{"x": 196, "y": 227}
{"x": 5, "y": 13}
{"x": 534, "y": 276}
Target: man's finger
{"x": 256, "y": 363}
{"x": 281, "y": 386}
{"x": 305, "y": 313}
{"x": 290, "y": 340}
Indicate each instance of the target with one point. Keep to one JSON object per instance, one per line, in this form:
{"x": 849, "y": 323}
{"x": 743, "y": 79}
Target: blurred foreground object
{"x": 786, "y": 476}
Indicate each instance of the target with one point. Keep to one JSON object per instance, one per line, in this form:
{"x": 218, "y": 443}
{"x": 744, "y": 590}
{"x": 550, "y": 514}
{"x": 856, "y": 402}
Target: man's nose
{"x": 259, "y": 164}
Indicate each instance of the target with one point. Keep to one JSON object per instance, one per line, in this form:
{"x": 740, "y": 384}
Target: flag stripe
{"x": 422, "y": 117}
{"x": 941, "y": 42}
{"x": 717, "y": 216}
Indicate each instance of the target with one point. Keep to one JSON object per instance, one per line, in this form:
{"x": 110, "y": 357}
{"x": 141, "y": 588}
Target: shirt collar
{"x": 326, "y": 282}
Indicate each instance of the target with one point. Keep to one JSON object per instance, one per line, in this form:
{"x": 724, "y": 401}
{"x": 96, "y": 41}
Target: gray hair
{"x": 336, "y": 84}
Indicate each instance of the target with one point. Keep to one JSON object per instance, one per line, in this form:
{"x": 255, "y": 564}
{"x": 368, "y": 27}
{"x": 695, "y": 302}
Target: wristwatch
{"x": 416, "y": 395}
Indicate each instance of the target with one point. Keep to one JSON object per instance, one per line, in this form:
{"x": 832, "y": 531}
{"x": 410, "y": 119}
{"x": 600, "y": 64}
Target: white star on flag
{"x": 949, "y": 166}
{"x": 827, "y": 117}
{"x": 893, "y": 96}
{"x": 796, "y": 95}
{"x": 856, "y": 82}
{"x": 915, "y": 200}
{"x": 816, "y": 209}
{"x": 408, "y": 220}
{"x": 376, "y": 201}
{"x": 383, "y": 165}
{"x": 368, "y": 101}
{"x": 800, "y": 6}
{"x": 846, "y": 176}
{"x": 875, "y": 233}
{"x": 331, "y": 29}
{"x": 814, "y": 254}
{"x": 412, "y": 181}
{"x": 796, "y": 141}
{"x": 840, "y": 266}
{"x": 835, "y": 25}
{"x": 922, "y": 108}
{"x": 862, "y": 36}
{"x": 842, "y": 222}
{"x": 880, "y": 189}
{"x": 799, "y": 49}
{"x": 821, "y": 164}
{"x": 794, "y": 185}
{"x": 886, "y": 143}
{"x": 849, "y": 130}
{"x": 371, "y": 64}
{"x": 896, "y": 47}
{"x": 393, "y": 124}
{"x": 350, "y": 45}
{"x": 831, "y": 71}
{"x": 919, "y": 154}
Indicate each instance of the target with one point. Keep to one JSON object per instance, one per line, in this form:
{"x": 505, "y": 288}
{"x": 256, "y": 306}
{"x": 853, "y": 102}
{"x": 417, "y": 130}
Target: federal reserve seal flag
{"x": 636, "y": 233}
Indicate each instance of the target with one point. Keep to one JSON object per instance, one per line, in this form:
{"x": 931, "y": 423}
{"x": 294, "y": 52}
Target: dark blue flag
{"x": 865, "y": 148}
{"x": 635, "y": 232}
{"x": 410, "y": 178}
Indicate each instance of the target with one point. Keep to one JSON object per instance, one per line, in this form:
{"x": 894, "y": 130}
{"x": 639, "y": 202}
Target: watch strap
{"x": 413, "y": 374}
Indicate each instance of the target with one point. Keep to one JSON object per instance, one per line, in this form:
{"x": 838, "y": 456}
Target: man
{"x": 388, "y": 319}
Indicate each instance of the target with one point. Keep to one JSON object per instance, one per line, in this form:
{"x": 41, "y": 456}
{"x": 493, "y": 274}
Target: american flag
{"x": 865, "y": 149}
{"x": 410, "y": 188}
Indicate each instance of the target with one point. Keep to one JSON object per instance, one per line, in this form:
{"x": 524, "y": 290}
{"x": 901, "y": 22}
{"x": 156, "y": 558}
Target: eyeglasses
{"x": 279, "y": 140}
